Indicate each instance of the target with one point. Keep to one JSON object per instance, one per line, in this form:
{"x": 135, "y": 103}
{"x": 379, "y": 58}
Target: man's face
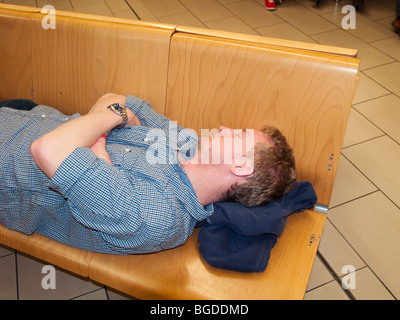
{"x": 230, "y": 146}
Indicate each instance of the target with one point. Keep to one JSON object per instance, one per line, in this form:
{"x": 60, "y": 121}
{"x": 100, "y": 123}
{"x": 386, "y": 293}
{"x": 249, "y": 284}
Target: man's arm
{"x": 99, "y": 148}
{"x": 50, "y": 150}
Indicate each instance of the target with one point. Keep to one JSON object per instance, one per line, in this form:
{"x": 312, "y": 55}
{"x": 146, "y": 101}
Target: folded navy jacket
{"x": 240, "y": 238}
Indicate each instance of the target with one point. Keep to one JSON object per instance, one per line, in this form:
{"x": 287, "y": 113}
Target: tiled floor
{"x": 362, "y": 232}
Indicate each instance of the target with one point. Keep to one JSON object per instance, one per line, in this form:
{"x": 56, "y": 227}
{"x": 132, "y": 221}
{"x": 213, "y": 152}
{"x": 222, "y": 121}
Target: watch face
{"x": 118, "y": 107}
{"x": 121, "y": 110}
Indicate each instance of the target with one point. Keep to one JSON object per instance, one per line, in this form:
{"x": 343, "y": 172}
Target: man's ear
{"x": 242, "y": 170}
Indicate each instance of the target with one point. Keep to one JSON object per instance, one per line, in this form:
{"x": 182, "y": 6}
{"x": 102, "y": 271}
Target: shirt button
{"x": 127, "y": 150}
{"x": 66, "y": 119}
{"x": 43, "y": 116}
{"x": 146, "y": 140}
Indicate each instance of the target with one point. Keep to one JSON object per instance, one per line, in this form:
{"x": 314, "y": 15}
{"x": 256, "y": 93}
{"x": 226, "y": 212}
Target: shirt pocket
{"x": 125, "y": 157}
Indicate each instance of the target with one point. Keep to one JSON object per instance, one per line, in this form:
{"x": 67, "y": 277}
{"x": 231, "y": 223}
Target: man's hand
{"x": 105, "y": 100}
{"x": 110, "y": 98}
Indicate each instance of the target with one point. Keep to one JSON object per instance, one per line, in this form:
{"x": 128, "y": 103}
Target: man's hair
{"x": 274, "y": 172}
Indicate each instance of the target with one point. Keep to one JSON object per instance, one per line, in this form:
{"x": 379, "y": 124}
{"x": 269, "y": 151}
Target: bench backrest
{"x": 71, "y": 66}
{"x": 306, "y": 94}
{"x": 201, "y": 79}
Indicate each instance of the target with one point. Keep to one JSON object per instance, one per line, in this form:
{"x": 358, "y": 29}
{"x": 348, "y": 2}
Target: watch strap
{"x": 119, "y": 109}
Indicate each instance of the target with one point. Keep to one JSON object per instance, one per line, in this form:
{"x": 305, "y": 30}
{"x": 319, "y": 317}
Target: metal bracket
{"x": 321, "y": 208}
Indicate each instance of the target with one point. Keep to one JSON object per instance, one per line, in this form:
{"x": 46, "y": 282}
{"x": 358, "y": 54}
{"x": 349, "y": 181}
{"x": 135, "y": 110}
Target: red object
{"x": 270, "y": 5}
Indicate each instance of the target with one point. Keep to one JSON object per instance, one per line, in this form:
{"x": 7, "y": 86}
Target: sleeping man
{"x": 124, "y": 179}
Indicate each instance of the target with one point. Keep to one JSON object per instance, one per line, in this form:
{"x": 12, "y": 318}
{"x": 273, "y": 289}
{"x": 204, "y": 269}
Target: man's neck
{"x": 206, "y": 184}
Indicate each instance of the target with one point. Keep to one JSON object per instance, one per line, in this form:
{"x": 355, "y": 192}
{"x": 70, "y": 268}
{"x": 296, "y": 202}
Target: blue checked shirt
{"x": 142, "y": 203}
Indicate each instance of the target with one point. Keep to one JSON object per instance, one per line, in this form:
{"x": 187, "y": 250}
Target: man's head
{"x": 248, "y": 166}
{"x": 274, "y": 171}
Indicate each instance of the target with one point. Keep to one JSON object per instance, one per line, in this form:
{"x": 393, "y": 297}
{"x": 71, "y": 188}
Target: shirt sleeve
{"x": 147, "y": 116}
{"x": 104, "y": 198}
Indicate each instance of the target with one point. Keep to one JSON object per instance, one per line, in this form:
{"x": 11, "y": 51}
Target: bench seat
{"x": 202, "y": 79}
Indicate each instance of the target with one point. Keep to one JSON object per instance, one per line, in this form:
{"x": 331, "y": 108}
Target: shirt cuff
{"x": 146, "y": 114}
{"x": 71, "y": 169}
{"x": 134, "y": 104}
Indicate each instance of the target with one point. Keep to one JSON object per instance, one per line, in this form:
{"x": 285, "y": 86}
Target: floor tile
{"x": 141, "y": 10}
{"x": 29, "y": 3}
{"x": 30, "y": 277}
{"x": 330, "y": 291}
{"x": 350, "y": 184}
{"x": 369, "y": 56}
{"x": 336, "y": 251}
{"x": 91, "y": 7}
{"x": 250, "y": 12}
{"x": 390, "y": 47}
{"x": 116, "y": 295}
{"x": 378, "y": 159}
{"x": 366, "y": 29}
{"x": 319, "y": 275}
{"x": 387, "y": 76}
{"x": 375, "y": 10}
{"x": 325, "y": 6}
{"x": 125, "y": 15}
{"x": 372, "y": 225}
{"x": 359, "y": 129}
{"x": 183, "y": 19}
{"x": 387, "y": 23}
{"x": 304, "y": 20}
{"x": 99, "y": 294}
{"x": 8, "y": 278}
{"x": 385, "y": 113}
{"x": 231, "y": 24}
{"x": 284, "y": 31}
{"x": 391, "y": 4}
{"x": 120, "y": 9}
{"x": 368, "y": 89}
{"x": 64, "y": 5}
{"x": 207, "y": 10}
{"x": 368, "y": 287}
{"x": 165, "y": 7}
{"x": 5, "y": 251}
{"x": 226, "y": 1}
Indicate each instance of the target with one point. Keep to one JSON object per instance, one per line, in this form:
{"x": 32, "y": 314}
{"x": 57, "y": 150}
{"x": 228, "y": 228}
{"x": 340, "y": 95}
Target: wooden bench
{"x": 202, "y": 79}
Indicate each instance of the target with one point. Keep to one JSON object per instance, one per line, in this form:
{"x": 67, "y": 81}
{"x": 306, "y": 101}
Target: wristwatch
{"x": 119, "y": 109}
